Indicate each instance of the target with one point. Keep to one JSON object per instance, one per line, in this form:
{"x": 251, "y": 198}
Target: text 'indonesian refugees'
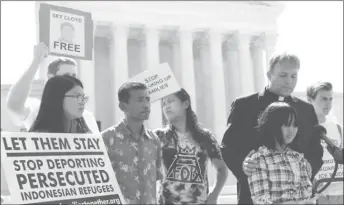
{"x": 58, "y": 168}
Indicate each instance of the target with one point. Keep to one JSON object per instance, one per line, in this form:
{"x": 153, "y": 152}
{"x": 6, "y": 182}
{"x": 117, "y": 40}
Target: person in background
{"x": 240, "y": 137}
{"x": 283, "y": 176}
{"x": 320, "y": 95}
{"x": 187, "y": 148}
{"x": 62, "y": 107}
{"x": 134, "y": 151}
{"x": 24, "y": 109}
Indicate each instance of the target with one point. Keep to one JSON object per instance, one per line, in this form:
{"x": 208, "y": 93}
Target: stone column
{"x": 245, "y": 62}
{"x": 259, "y": 64}
{"x": 177, "y": 71}
{"x": 187, "y": 64}
{"x": 152, "y": 37}
{"x": 87, "y": 77}
{"x": 270, "y": 40}
{"x": 217, "y": 82}
{"x": 119, "y": 63}
{"x": 232, "y": 73}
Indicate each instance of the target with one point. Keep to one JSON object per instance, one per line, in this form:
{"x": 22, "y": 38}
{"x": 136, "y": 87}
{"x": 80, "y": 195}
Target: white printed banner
{"x": 53, "y": 168}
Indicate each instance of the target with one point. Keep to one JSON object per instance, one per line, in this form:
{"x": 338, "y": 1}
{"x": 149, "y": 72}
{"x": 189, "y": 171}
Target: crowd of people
{"x": 270, "y": 144}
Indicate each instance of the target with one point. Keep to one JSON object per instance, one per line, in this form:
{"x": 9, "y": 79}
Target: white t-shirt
{"x": 33, "y": 104}
{"x": 335, "y": 188}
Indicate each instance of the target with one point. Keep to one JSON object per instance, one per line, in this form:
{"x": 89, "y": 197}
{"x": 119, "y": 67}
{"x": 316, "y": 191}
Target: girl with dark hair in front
{"x": 283, "y": 175}
{"x": 186, "y": 150}
{"x": 62, "y": 106}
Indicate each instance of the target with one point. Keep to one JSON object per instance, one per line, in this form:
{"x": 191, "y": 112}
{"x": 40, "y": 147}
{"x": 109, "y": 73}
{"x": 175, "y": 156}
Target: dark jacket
{"x": 241, "y": 136}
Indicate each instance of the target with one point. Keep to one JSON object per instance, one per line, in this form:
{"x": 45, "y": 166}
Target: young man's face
{"x": 322, "y": 102}
{"x": 283, "y": 78}
{"x": 138, "y": 106}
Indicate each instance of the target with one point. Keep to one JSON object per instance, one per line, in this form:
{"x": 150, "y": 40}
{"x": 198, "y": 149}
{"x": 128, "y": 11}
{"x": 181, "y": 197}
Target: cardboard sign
{"x": 54, "y": 168}
{"x": 67, "y": 32}
{"x": 160, "y": 81}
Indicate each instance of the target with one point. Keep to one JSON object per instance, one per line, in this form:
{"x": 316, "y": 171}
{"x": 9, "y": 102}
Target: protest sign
{"x": 160, "y": 81}
{"x": 327, "y": 168}
{"x": 67, "y": 32}
{"x": 54, "y": 168}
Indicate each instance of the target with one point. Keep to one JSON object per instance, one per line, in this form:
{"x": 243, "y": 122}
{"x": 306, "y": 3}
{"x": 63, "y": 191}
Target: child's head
{"x": 278, "y": 124}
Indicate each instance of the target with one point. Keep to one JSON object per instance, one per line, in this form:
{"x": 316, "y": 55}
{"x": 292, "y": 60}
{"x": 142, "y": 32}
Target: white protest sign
{"x": 328, "y": 166}
{"x": 67, "y": 32}
{"x": 54, "y": 168}
{"x": 160, "y": 81}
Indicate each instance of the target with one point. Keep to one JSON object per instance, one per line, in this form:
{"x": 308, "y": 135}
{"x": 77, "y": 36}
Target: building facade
{"x": 218, "y": 51}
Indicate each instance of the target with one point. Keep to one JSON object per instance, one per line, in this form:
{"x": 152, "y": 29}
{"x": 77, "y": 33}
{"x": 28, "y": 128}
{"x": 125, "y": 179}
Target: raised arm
{"x": 20, "y": 91}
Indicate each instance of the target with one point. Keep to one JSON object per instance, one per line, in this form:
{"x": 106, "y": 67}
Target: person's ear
{"x": 268, "y": 74}
{"x": 122, "y": 106}
{"x": 186, "y": 104}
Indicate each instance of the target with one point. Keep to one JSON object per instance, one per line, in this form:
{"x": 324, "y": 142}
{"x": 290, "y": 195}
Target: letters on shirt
{"x": 185, "y": 166}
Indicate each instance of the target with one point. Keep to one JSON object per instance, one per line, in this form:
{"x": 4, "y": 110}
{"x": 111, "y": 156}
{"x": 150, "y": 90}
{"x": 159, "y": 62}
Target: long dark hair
{"x": 51, "y": 114}
{"x": 271, "y": 121}
{"x": 199, "y": 134}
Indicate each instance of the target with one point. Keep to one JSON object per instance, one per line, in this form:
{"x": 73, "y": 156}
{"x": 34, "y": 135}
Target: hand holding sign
{"x": 41, "y": 51}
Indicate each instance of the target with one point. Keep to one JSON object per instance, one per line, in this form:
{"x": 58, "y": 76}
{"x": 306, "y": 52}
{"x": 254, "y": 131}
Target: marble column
{"x": 245, "y": 63}
{"x": 232, "y": 73}
{"x": 270, "y": 40}
{"x": 258, "y": 64}
{"x": 204, "y": 104}
{"x": 176, "y": 67}
{"x": 217, "y": 82}
{"x": 152, "y": 37}
{"x": 187, "y": 64}
{"x": 87, "y": 77}
{"x": 119, "y": 62}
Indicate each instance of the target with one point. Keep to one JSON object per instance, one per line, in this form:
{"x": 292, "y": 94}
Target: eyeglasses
{"x": 81, "y": 98}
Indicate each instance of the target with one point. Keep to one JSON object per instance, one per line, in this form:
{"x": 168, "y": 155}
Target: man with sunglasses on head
{"x": 23, "y": 108}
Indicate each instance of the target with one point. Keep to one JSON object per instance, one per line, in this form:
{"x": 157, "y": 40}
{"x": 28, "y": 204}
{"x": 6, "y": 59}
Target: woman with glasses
{"x": 62, "y": 106}
{"x": 187, "y": 148}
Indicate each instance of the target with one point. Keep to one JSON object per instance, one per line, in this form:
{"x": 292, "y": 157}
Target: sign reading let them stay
{"x": 54, "y": 168}
{"x": 160, "y": 81}
{"x": 67, "y": 32}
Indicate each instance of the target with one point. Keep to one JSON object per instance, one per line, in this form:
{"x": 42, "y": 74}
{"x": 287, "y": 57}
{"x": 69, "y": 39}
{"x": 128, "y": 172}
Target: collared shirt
{"x": 186, "y": 167}
{"x": 274, "y": 97}
{"x": 280, "y": 177}
{"x": 137, "y": 163}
